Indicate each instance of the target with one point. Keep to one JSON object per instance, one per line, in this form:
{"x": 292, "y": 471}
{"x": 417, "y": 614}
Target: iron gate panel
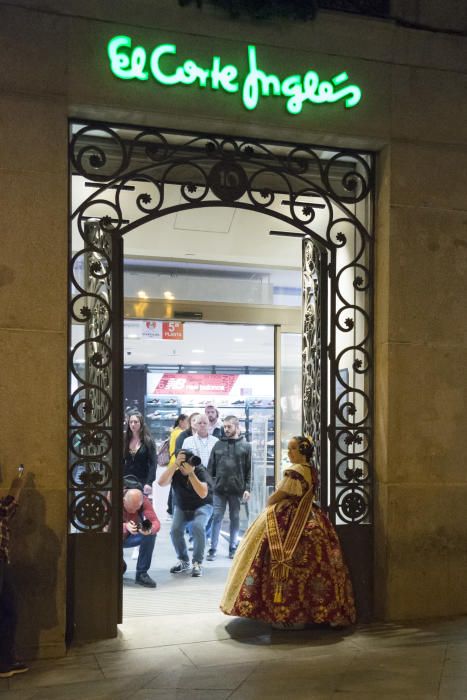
{"x": 127, "y": 170}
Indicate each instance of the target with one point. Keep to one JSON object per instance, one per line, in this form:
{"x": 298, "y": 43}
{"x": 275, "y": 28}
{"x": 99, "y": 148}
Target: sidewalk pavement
{"x": 212, "y": 657}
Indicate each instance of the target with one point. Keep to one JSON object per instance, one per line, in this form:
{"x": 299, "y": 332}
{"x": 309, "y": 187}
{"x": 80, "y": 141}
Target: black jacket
{"x": 230, "y": 466}
{"x": 142, "y": 464}
{"x": 184, "y": 495}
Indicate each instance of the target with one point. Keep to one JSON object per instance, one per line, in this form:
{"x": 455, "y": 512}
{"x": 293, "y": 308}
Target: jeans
{"x": 198, "y": 519}
{"x": 146, "y": 547}
{"x": 220, "y": 503}
{"x": 8, "y": 615}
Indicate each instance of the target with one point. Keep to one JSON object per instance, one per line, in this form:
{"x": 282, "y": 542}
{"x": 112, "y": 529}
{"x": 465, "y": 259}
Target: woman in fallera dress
{"x": 289, "y": 569}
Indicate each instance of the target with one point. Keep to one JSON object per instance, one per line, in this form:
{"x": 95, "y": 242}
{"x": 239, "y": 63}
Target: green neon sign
{"x": 133, "y": 63}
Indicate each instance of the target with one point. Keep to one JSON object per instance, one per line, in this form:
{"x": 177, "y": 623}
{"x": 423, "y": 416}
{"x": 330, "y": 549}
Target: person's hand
{"x": 131, "y": 527}
{"x": 16, "y": 486}
{"x": 246, "y": 496}
{"x": 147, "y": 489}
{"x": 186, "y": 469}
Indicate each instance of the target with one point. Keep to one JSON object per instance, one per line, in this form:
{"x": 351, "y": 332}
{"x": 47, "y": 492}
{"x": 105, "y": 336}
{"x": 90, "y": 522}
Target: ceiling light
{"x": 260, "y": 328}
{"x": 198, "y": 350}
{"x": 142, "y": 294}
{"x": 168, "y": 295}
{"x": 239, "y": 340}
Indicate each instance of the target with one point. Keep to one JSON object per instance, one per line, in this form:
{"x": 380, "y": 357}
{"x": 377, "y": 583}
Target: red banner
{"x": 172, "y": 330}
{"x": 196, "y": 384}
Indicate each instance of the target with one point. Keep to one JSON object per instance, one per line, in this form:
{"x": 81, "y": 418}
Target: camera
{"x": 145, "y": 525}
{"x": 191, "y": 458}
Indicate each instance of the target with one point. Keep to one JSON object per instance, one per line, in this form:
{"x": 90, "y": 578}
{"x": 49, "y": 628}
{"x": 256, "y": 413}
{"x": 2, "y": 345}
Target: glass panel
{"x": 291, "y": 390}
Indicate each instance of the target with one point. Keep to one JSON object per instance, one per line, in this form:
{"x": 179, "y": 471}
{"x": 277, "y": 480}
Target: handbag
{"x": 163, "y": 454}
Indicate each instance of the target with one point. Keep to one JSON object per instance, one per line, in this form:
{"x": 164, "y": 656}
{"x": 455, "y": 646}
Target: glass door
{"x": 288, "y": 393}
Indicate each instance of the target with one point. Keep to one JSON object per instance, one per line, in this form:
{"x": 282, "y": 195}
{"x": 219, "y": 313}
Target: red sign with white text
{"x": 172, "y": 330}
{"x": 196, "y": 383}
{"x": 163, "y": 330}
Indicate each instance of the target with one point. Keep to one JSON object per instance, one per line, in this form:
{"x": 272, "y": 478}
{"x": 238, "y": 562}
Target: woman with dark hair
{"x": 139, "y": 451}
{"x": 181, "y": 424}
{"x": 289, "y": 569}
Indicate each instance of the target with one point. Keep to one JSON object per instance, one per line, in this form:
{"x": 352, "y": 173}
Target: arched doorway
{"x": 321, "y": 195}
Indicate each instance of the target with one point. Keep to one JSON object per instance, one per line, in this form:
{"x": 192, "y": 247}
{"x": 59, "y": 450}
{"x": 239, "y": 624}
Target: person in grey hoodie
{"x": 230, "y": 469}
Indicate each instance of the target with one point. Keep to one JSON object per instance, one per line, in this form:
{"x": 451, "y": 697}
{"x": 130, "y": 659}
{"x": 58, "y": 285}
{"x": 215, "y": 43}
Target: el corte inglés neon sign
{"x": 134, "y": 63}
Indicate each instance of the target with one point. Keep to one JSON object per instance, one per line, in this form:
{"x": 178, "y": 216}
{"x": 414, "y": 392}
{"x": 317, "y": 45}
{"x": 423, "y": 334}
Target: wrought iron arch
{"x": 128, "y": 170}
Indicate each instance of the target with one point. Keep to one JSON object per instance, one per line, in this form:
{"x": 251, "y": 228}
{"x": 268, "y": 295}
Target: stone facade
{"x": 414, "y": 116}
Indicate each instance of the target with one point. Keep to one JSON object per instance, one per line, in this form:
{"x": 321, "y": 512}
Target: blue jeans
{"x": 146, "y": 547}
{"x": 198, "y": 519}
{"x": 220, "y": 504}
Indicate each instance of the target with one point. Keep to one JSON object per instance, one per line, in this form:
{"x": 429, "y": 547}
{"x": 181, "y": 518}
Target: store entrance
{"x": 149, "y": 186}
{"x": 193, "y": 370}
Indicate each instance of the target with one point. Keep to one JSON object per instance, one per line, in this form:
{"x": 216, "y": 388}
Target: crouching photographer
{"x": 192, "y": 503}
{"x": 140, "y": 528}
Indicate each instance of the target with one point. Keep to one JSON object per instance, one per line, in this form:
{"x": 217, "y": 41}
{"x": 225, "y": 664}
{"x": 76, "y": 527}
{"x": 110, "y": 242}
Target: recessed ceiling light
{"x": 198, "y": 350}
{"x": 239, "y": 340}
{"x": 142, "y": 294}
{"x": 168, "y": 295}
{"x": 260, "y": 328}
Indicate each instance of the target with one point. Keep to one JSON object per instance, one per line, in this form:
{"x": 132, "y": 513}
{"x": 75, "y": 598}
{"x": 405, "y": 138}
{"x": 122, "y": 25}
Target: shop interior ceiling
{"x": 151, "y": 272}
{"x": 221, "y": 254}
{"x": 204, "y": 345}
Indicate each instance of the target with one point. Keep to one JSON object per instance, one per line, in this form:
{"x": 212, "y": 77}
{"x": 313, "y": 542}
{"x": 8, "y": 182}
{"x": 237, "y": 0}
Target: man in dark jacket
{"x": 230, "y": 470}
{"x": 192, "y": 504}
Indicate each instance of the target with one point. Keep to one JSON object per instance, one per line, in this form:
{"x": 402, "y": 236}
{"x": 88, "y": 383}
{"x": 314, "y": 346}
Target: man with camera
{"x": 140, "y": 528}
{"x": 192, "y": 504}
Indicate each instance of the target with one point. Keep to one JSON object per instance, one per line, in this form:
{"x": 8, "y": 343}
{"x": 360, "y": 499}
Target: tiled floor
{"x": 207, "y": 656}
{"x": 167, "y": 649}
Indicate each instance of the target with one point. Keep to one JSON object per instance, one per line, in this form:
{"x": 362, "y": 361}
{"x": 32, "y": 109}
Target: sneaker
{"x": 232, "y": 552}
{"x": 211, "y": 555}
{"x": 124, "y": 566}
{"x": 180, "y": 567}
{"x": 145, "y": 580}
{"x": 13, "y": 669}
{"x": 196, "y": 570}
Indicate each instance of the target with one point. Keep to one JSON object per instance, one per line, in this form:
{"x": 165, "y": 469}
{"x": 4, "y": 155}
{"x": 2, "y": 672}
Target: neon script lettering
{"x": 132, "y": 63}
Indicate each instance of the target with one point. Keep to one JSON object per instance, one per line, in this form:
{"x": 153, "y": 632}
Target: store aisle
{"x": 176, "y": 594}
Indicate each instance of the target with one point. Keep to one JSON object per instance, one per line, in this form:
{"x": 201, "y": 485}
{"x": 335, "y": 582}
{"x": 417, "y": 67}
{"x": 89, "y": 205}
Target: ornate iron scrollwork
{"x": 90, "y": 467}
{"x": 324, "y": 194}
{"x": 313, "y": 351}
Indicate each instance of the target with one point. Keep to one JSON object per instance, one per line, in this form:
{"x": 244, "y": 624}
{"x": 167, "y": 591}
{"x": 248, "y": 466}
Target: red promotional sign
{"x": 172, "y": 330}
{"x": 195, "y": 383}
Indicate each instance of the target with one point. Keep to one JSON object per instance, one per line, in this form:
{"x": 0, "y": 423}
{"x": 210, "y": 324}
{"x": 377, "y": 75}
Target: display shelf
{"x": 160, "y": 413}
{"x": 262, "y": 408}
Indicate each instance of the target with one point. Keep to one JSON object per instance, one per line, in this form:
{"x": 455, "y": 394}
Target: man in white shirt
{"x": 201, "y": 442}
